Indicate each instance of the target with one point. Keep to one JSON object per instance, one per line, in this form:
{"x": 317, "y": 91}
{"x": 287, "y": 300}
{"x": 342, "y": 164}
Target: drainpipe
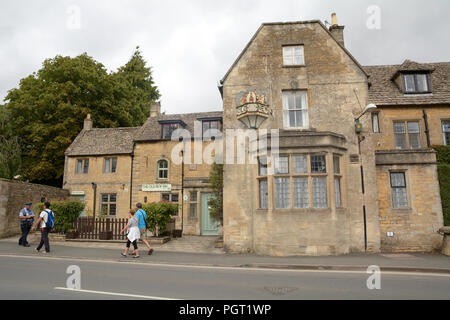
{"x": 427, "y": 131}
{"x": 131, "y": 176}
{"x": 94, "y": 186}
{"x": 182, "y": 189}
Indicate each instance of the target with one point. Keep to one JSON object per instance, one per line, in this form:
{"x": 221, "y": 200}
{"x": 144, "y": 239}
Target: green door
{"x": 210, "y": 226}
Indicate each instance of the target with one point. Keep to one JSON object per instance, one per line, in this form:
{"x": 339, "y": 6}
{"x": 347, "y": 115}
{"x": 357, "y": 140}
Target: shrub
{"x": 66, "y": 212}
{"x": 443, "y": 159}
{"x": 159, "y": 214}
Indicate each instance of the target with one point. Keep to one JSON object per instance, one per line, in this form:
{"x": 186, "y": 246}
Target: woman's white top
{"x": 133, "y": 230}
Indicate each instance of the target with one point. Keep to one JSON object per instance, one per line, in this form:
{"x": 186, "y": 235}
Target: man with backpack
{"x": 47, "y": 220}
{"x": 141, "y": 217}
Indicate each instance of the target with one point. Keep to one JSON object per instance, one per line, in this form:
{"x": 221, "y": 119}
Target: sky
{"x": 190, "y": 44}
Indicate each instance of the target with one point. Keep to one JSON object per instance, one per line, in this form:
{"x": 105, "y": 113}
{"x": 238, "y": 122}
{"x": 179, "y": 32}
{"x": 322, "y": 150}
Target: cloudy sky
{"x": 190, "y": 44}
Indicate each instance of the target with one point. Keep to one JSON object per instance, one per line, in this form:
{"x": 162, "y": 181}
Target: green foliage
{"x": 443, "y": 154}
{"x": 443, "y": 158}
{"x": 10, "y": 153}
{"x": 49, "y": 106}
{"x": 444, "y": 182}
{"x": 66, "y": 212}
{"x": 216, "y": 180}
{"x": 159, "y": 214}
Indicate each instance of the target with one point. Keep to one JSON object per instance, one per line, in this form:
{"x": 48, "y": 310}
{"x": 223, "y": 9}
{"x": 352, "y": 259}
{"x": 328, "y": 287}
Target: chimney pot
{"x": 336, "y": 30}
{"x": 155, "y": 109}
{"x": 87, "y": 122}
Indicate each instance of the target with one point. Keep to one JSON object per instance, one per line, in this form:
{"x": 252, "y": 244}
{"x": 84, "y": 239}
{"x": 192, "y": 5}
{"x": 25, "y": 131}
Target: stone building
{"x": 332, "y": 178}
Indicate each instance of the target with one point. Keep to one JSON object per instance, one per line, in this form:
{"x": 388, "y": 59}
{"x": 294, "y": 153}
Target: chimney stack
{"x": 336, "y": 30}
{"x": 87, "y": 122}
{"x": 155, "y": 109}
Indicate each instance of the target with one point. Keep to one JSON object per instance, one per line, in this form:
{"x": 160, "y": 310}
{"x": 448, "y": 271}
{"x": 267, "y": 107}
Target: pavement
{"x": 412, "y": 262}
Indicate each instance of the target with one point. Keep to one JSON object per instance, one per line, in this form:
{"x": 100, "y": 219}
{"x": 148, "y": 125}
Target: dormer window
{"x": 210, "y": 128}
{"x": 416, "y": 83}
{"x": 168, "y": 127}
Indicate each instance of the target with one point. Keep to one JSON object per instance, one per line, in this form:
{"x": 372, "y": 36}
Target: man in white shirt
{"x": 43, "y": 217}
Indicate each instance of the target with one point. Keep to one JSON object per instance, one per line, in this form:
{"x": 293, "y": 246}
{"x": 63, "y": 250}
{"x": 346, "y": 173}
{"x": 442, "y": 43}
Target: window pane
{"x": 263, "y": 194}
{"x": 399, "y": 127}
{"x": 422, "y": 83}
{"x": 447, "y": 138}
{"x": 298, "y": 119}
{"x": 193, "y": 196}
{"x": 336, "y": 165}
{"x": 79, "y": 164}
{"x": 413, "y": 127}
{"x": 86, "y": 166}
{"x": 262, "y": 171}
{"x": 104, "y": 209}
{"x": 337, "y": 191}
{"x": 446, "y": 125}
{"x": 193, "y": 210}
{"x": 318, "y": 164}
{"x": 105, "y": 198}
{"x": 107, "y": 165}
{"x": 282, "y": 193}
{"x": 175, "y": 198}
{"x": 165, "y": 197}
{"x": 114, "y": 165}
{"x": 298, "y": 55}
{"x": 319, "y": 192}
{"x": 300, "y": 164}
{"x": 398, "y": 179}
{"x": 112, "y": 209}
{"x": 400, "y": 135}
{"x": 409, "y": 83}
{"x": 282, "y": 165}
{"x": 301, "y": 193}
{"x": 375, "y": 123}
{"x": 287, "y": 55}
{"x": 414, "y": 141}
{"x": 112, "y": 197}
{"x": 399, "y": 199}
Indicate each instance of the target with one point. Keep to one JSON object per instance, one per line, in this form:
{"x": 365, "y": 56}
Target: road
{"x": 39, "y": 277}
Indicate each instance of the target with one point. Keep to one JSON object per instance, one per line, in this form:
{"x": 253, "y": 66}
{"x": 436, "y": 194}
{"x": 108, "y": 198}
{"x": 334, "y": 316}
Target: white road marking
{"x": 114, "y": 294}
{"x": 253, "y": 269}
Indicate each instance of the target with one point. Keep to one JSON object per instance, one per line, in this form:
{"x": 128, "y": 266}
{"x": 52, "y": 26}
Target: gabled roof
{"x": 289, "y": 23}
{"x": 384, "y": 91}
{"x": 104, "y": 141}
{"x": 151, "y": 130}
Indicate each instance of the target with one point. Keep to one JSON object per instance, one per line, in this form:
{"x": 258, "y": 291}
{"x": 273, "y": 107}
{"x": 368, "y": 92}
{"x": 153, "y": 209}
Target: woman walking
{"x": 133, "y": 234}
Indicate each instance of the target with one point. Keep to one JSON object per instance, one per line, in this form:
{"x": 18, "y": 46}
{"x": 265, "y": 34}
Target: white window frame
{"x": 289, "y": 51}
{"x": 303, "y": 109}
{"x": 444, "y": 131}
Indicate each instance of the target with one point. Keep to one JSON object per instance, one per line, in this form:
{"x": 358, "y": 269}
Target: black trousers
{"x": 44, "y": 240}
{"x": 134, "y": 244}
{"x": 25, "y": 227}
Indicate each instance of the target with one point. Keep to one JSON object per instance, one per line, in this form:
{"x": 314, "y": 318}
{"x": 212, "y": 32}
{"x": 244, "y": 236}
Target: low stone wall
{"x": 14, "y": 195}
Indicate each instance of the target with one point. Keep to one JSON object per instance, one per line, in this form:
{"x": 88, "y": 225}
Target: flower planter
{"x": 105, "y": 235}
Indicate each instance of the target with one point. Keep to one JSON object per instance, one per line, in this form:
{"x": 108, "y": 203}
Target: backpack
{"x": 50, "y": 219}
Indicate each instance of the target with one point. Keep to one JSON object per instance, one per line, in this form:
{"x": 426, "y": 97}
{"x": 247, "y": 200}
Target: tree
{"x": 49, "y": 106}
{"x": 10, "y": 153}
{"x": 216, "y": 180}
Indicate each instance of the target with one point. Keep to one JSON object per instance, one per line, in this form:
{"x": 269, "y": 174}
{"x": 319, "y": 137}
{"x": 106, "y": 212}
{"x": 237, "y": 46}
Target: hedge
{"x": 66, "y": 212}
{"x": 443, "y": 159}
{"x": 159, "y": 214}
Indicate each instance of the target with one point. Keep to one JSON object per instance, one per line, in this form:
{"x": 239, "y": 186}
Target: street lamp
{"x": 369, "y": 108}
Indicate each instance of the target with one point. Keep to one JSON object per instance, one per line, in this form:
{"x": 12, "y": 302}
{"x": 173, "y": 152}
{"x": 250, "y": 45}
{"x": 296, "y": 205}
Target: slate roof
{"x": 151, "y": 130}
{"x": 105, "y": 141}
{"x": 384, "y": 91}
